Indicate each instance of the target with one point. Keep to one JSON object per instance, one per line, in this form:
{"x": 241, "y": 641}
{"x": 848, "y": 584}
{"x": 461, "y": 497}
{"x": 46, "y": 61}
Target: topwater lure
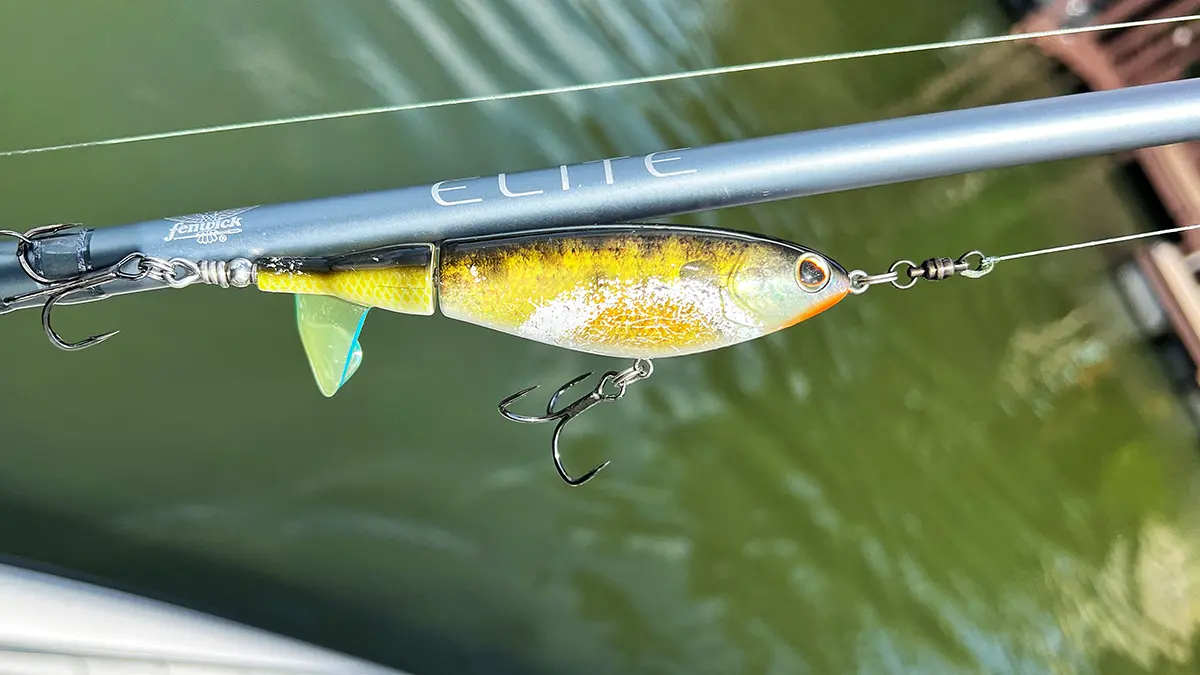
{"x": 637, "y": 291}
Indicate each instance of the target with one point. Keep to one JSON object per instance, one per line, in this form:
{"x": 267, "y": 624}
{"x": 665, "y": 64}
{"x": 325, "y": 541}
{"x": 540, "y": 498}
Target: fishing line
{"x": 649, "y": 79}
{"x": 1090, "y": 244}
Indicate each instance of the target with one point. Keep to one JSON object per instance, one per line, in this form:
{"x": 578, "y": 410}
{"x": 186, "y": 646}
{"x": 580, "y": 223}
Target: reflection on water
{"x": 975, "y": 476}
{"x": 1138, "y": 605}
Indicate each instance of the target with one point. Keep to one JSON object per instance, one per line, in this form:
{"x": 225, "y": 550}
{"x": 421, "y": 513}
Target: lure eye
{"x": 812, "y": 273}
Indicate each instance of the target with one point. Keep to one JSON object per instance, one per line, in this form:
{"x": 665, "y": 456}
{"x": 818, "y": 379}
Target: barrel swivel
{"x": 904, "y": 274}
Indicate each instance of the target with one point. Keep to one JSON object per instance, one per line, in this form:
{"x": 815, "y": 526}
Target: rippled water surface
{"x": 975, "y": 477}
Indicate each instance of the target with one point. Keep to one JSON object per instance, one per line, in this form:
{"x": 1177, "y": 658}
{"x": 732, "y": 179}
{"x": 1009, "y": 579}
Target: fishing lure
{"x": 632, "y": 291}
{"x": 636, "y": 291}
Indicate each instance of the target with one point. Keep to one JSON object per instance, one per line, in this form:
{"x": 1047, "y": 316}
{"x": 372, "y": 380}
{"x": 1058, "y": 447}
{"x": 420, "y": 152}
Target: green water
{"x": 974, "y": 477}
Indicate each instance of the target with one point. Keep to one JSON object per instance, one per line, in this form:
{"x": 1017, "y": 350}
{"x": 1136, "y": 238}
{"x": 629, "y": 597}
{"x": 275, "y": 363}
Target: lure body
{"x": 634, "y": 291}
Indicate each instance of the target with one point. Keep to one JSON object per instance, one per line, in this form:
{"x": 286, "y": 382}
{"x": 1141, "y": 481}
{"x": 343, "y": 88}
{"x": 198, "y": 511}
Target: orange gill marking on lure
{"x": 818, "y": 308}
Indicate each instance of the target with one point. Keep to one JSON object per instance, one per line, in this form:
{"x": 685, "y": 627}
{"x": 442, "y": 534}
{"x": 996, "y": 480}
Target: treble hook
{"x": 57, "y": 289}
{"x": 617, "y": 380}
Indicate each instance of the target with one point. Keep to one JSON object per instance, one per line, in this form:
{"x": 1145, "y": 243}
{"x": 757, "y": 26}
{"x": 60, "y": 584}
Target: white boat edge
{"x": 51, "y": 625}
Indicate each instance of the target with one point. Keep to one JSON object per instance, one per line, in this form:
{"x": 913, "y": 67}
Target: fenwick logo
{"x": 207, "y": 228}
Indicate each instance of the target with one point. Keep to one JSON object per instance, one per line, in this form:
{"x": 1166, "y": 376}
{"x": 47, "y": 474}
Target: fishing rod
{"x": 624, "y": 189}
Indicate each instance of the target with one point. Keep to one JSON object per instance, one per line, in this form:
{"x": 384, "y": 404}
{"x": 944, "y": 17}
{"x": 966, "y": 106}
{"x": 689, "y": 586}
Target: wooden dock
{"x": 1130, "y": 57}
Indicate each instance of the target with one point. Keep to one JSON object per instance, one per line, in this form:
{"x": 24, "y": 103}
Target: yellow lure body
{"x": 401, "y": 284}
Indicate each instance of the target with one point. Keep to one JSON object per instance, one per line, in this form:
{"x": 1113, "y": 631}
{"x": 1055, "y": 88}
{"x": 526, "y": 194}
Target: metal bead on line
{"x": 238, "y": 273}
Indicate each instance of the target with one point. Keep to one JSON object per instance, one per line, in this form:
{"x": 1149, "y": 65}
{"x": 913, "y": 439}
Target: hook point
{"x": 502, "y": 408}
{"x": 576, "y": 482}
{"x": 84, "y": 343}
